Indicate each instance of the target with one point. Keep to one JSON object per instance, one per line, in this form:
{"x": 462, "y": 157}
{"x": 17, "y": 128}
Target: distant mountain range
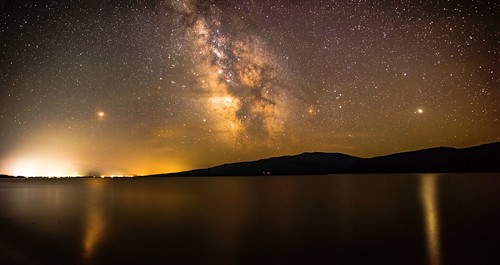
{"x": 482, "y": 158}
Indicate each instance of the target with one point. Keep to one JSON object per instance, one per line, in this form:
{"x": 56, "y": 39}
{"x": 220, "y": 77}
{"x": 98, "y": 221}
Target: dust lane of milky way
{"x": 140, "y": 87}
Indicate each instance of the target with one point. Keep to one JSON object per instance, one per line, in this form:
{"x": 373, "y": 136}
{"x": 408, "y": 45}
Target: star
{"x": 227, "y": 88}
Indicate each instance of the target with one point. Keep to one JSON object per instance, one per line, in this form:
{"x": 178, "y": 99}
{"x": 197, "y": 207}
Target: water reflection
{"x": 429, "y": 197}
{"x": 390, "y": 219}
{"x": 95, "y": 223}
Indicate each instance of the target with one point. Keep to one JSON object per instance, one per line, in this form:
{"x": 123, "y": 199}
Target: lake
{"x": 333, "y": 219}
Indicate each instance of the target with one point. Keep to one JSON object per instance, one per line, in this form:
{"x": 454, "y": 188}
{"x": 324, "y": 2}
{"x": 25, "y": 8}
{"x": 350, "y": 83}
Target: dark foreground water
{"x": 336, "y": 219}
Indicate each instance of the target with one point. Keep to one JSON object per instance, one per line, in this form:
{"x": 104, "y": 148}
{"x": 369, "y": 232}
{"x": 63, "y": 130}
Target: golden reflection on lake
{"x": 94, "y": 218}
{"x": 429, "y": 197}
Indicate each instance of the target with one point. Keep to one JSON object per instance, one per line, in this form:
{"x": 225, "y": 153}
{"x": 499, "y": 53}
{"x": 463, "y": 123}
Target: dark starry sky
{"x": 138, "y": 87}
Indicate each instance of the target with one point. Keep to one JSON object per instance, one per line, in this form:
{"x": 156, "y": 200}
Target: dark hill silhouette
{"x": 8, "y": 176}
{"x": 306, "y": 163}
{"x": 483, "y": 158}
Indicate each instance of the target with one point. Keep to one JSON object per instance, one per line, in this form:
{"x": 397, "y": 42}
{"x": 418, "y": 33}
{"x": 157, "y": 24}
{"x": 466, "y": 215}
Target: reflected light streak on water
{"x": 428, "y": 195}
{"x": 95, "y": 223}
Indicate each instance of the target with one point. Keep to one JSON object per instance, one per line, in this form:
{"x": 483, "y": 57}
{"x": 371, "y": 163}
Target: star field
{"x": 140, "y": 87}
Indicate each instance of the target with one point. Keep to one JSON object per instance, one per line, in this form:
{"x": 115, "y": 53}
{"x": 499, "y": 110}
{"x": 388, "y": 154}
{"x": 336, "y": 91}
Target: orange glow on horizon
{"x": 84, "y": 152}
{"x": 42, "y": 167}
{"x": 53, "y": 166}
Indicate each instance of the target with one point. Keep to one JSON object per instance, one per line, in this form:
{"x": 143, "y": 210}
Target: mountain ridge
{"x": 481, "y": 158}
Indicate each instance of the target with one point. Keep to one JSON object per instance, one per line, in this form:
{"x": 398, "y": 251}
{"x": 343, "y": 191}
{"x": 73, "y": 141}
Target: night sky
{"x": 143, "y": 86}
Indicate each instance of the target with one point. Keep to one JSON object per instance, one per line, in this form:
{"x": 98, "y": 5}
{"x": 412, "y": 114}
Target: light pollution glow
{"x": 46, "y": 154}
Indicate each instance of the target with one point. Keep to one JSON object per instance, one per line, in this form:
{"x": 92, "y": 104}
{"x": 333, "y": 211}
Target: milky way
{"x": 138, "y": 87}
{"x": 237, "y": 73}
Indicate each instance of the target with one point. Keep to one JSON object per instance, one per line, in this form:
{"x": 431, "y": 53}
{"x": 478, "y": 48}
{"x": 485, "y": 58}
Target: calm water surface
{"x": 335, "y": 219}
